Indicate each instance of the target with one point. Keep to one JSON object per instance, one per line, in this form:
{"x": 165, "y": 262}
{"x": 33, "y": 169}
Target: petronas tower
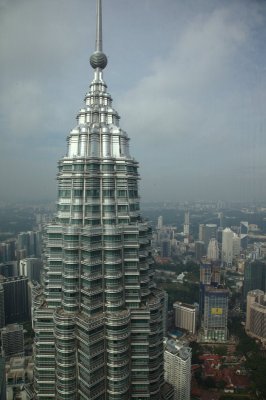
{"x": 98, "y": 319}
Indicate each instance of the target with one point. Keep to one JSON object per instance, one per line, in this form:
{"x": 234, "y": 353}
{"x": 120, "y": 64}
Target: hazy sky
{"x": 188, "y": 78}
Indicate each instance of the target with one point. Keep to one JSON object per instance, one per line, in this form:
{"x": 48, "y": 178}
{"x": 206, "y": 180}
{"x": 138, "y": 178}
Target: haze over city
{"x": 188, "y": 80}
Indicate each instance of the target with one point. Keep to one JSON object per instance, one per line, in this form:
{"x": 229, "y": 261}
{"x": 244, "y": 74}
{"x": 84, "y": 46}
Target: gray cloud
{"x": 188, "y": 79}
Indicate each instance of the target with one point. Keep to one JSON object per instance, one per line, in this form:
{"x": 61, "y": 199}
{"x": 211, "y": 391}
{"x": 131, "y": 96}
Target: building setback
{"x": 99, "y": 321}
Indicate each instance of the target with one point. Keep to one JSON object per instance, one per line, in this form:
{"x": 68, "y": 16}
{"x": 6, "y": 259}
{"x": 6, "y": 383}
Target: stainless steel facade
{"x": 99, "y": 319}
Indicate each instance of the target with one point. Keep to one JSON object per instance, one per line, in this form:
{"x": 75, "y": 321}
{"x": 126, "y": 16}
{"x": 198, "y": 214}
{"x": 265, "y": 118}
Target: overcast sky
{"x": 188, "y": 78}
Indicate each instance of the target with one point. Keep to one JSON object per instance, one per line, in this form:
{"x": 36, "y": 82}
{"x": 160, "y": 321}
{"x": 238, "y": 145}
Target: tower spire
{"x": 99, "y": 34}
{"x": 98, "y": 58}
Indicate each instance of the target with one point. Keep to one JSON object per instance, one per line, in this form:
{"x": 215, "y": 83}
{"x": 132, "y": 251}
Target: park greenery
{"x": 255, "y": 356}
{"x": 186, "y": 291}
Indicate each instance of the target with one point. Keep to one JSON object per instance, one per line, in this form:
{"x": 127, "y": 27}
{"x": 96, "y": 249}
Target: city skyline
{"x": 187, "y": 79}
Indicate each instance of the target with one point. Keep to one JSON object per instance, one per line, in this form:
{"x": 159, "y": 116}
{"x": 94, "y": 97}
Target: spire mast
{"x": 99, "y": 34}
{"x": 98, "y": 59}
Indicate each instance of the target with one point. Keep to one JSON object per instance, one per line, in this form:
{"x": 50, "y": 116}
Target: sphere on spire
{"x": 98, "y": 60}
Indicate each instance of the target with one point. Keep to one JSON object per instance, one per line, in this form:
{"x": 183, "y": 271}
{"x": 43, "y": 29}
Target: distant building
{"x": 166, "y": 248}
{"x": 213, "y": 250}
{"x": 31, "y": 267}
{"x": 160, "y": 222}
{"x": 186, "y": 316}
{"x": 186, "y": 227}
{"x": 244, "y": 228}
{"x": 12, "y": 339}
{"x": 220, "y": 235}
{"x": 254, "y": 277}
{"x": 207, "y": 232}
{"x": 8, "y": 251}
{"x": 215, "y": 314}
{"x": 9, "y": 269}
{"x": 200, "y": 250}
{"x": 2, "y": 307}
{"x": 201, "y": 233}
{"x": 210, "y": 274}
{"x": 16, "y": 299}
{"x": 2, "y": 379}
{"x": 236, "y": 246}
{"x": 227, "y": 246}
{"x": 205, "y": 272}
{"x": 256, "y": 314}
{"x": 221, "y": 219}
{"x": 30, "y": 242}
{"x": 177, "y": 368}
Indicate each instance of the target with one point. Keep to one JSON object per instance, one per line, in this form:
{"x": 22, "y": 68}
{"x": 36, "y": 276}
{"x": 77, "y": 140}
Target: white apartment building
{"x": 185, "y": 316}
{"x": 177, "y": 368}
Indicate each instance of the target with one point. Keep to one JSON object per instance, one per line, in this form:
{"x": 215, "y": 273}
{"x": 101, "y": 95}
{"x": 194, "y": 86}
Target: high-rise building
{"x": 160, "y": 222}
{"x": 30, "y": 243}
{"x": 201, "y": 232}
{"x": 254, "y": 277}
{"x": 221, "y": 219}
{"x": 166, "y": 248}
{"x": 213, "y": 250}
{"x": 16, "y": 299}
{"x": 207, "y": 232}
{"x": 186, "y": 316}
{"x": 215, "y": 314}
{"x": 186, "y": 227}
{"x": 200, "y": 250}
{"x": 210, "y": 275}
{"x": 31, "y": 267}
{"x": 12, "y": 339}
{"x": 99, "y": 322}
{"x": 227, "y": 246}
{"x": 2, "y": 379}
{"x": 2, "y": 307}
{"x": 236, "y": 245}
{"x": 231, "y": 246}
{"x": 256, "y": 314}
{"x": 244, "y": 234}
{"x": 9, "y": 269}
{"x": 177, "y": 366}
{"x": 206, "y": 272}
{"x": 186, "y": 223}
{"x": 8, "y": 251}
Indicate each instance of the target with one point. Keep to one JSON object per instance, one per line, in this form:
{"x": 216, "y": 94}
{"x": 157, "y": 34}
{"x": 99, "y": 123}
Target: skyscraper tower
{"x": 186, "y": 227}
{"x": 213, "y": 250}
{"x": 99, "y": 321}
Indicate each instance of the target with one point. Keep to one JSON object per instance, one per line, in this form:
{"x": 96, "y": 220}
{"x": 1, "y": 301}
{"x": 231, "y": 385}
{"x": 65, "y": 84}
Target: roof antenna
{"x": 98, "y": 58}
